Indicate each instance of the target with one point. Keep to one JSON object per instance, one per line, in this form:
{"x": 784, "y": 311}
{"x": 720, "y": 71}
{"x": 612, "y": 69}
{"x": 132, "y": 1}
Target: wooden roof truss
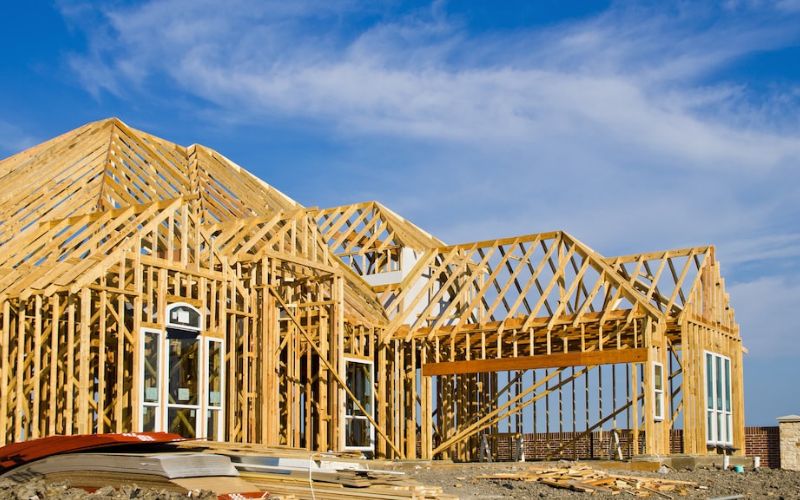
{"x": 101, "y": 227}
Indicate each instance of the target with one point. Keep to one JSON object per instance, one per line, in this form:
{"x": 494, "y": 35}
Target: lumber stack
{"x": 291, "y": 473}
{"x": 587, "y": 480}
{"x": 344, "y": 485}
{"x": 167, "y": 471}
{"x": 160, "y": 462}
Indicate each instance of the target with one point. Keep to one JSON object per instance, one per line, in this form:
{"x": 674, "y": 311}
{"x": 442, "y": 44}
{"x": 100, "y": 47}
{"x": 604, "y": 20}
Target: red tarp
{"x": 17, "y": 454}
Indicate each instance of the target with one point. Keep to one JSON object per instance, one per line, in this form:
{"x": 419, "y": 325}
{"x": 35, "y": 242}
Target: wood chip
{"x": 587, "y": 480}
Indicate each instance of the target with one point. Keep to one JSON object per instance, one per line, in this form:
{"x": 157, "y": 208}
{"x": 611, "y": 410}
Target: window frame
{"x": 203, "y": 407}
{"x": 208, "y": 407}
{"x": 718, "y": 407}
{"x": 157, "y": 405}
{"x": 658, "y": 394}
{"x": 346, "y": 417}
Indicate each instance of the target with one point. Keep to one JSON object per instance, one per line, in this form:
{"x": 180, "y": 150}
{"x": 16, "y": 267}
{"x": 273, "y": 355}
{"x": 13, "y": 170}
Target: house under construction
{"x": 150, "y": 286}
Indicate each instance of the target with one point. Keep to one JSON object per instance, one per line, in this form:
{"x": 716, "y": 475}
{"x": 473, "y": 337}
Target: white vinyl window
{"x": 719, "y": 421}
{"x": 658, "y": 384}
{"x": 214, "y": 376}
{"x": 358, "y": 431}
{"x": 182, "y": 379}
{"x": 152, "y": 370}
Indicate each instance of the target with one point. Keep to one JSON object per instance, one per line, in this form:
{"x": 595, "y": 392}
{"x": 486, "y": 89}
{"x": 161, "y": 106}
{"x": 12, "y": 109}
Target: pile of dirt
{"x": 462, "y": 480}
{"x": 37, "y": 489}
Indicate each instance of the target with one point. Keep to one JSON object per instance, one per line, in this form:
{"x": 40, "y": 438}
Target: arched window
{"x": 184, "y": 316}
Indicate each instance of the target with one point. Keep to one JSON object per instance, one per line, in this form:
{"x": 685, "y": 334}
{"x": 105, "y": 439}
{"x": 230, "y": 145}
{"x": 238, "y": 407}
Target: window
{"x": 719, "y": 422}
{"x": 183, "y": 383}
{"x": 358, "y": 431}
{"x": 152, "y": 373}
{"x": 658, "y": 384}
{"x": 213, "y": 375}
{"x": 183, "y": 316}
{"x": 182, "y": 377}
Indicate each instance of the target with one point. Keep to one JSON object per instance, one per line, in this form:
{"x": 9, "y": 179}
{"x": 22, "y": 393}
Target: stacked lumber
{"x": 170, "y": 471}
{"x": 343, "y": 485}
{"x": 294, "y": 473}
{"x": 584, "y": 479}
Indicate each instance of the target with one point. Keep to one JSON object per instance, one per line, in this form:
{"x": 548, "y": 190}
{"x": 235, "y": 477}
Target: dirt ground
{"x": 37, "y": 489}
{"x": 460, "y": 479}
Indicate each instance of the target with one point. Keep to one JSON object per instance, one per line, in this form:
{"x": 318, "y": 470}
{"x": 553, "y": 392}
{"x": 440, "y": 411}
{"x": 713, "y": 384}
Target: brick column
{"x": 790, "y": 442}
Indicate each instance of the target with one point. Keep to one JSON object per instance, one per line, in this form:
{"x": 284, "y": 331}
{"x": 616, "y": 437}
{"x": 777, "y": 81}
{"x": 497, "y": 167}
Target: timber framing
{"x": 105, "y": 229}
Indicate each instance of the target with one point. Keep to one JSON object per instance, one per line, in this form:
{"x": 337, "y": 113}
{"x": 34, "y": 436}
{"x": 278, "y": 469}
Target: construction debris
{"x": 177, "y": 472}
{"x": 161, "y": 462}
{"x": 346, "y": 484}
{"x": 293, "y": 473}
{"x": 584, "y": 479}
{"x": 61, "y": 490}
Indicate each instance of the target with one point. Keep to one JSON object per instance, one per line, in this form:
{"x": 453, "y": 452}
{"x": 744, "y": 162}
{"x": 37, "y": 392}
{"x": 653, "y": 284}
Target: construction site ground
{"x": 463, "y": 480}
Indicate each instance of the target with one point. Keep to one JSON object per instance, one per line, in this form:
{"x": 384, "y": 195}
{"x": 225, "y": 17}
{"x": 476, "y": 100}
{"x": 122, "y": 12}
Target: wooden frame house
{"x": 146, "y": 285}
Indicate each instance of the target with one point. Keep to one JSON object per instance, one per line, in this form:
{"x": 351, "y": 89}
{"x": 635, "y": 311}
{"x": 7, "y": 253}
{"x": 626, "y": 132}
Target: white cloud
{"x": 626, "y": 77}
{"x": 772, "y": 246}
{"x": 613, "y": 128}
{"x": 765, "y": 311}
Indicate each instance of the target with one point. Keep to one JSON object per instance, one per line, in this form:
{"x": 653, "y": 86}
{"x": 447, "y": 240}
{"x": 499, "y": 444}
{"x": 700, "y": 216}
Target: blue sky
{"x": 633, "y": 126}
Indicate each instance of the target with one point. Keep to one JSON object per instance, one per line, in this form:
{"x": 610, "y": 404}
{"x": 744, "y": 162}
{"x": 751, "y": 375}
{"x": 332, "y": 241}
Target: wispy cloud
{"x": 618, "y": 128}
{"x": 764, "y": 248}
{"x": 764, "y": 308}
{"x": 627, "y": 77}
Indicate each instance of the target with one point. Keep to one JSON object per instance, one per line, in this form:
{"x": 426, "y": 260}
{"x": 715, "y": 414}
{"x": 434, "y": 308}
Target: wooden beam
{"x": 607, "y": 357}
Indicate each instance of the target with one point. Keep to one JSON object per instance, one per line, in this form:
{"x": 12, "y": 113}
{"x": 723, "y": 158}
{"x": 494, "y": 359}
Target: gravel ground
{"x": 460, "y": 479}
{"x": 38, "y": 489}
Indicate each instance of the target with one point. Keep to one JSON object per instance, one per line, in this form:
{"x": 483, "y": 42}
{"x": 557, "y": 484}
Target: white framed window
{"x": 358, "y": 432}
{"x": 214, "y": 375}
{"x": 183, "y": 316}
{"x": 719, "y": 420}
{"x": 151, "y": 380}
{"x": 182, "y": 377}
{"x": 184, "y": 389}
{"x": 658, "y": 391}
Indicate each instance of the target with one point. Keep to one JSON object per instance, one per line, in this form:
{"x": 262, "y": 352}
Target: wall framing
{"x": 104, "y": 227}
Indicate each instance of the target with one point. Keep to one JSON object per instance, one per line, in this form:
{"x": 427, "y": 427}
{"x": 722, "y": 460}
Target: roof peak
{"x": 107, "y": 164}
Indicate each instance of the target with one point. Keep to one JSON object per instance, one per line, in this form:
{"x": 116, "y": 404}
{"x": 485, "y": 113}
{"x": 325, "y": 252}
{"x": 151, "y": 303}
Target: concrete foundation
{"x": 679, "y": 461}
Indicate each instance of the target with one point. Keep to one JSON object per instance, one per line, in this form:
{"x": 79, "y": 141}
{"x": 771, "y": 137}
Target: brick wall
{"x": 546, "y": 445}
{"x": 759, "y": 441}
{"x": 763, "y": 442}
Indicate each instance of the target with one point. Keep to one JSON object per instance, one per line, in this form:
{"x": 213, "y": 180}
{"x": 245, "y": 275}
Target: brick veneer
{"x": 763, "y": 442}
{"x": 543, "y": 445}
{"x": 759, "y": 441}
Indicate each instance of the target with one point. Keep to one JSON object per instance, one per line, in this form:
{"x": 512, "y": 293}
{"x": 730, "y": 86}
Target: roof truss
{"x": 663, "y": 278}
{"x": 522, "y": 278}
{"x": 370, "y": 228}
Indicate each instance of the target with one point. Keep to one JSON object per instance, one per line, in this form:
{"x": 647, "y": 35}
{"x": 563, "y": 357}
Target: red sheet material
{"x": 17, "y": 454}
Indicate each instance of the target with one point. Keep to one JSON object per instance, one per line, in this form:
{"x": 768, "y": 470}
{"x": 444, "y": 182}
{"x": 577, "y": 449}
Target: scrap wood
{"x": 378, "y": 488}
{"x": 585, "y": 479}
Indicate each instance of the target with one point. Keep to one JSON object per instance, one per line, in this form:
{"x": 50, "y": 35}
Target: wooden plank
{"x": 559, "y": 360}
